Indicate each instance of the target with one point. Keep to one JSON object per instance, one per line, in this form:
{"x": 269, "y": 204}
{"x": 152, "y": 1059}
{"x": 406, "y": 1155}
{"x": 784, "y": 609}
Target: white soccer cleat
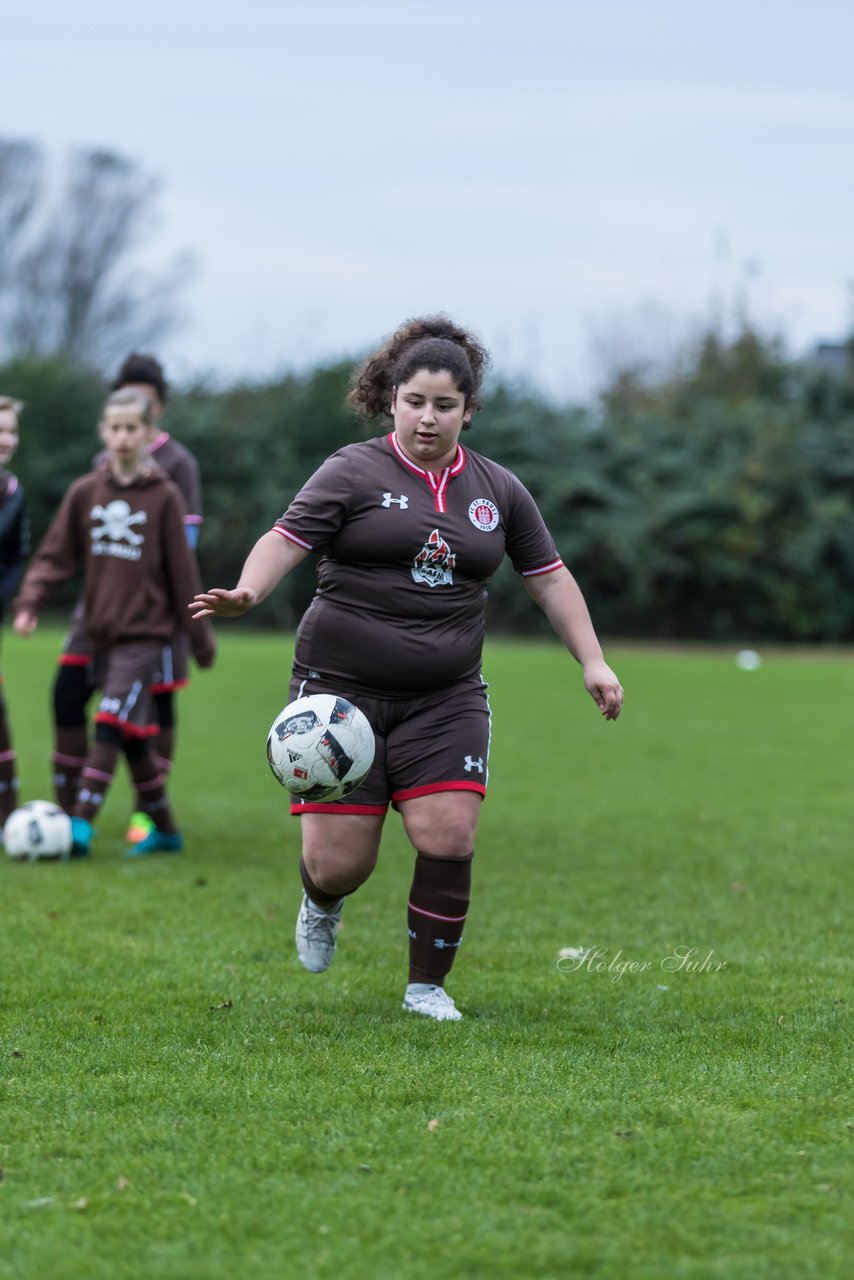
{"x": 316, "y": 932}
{"x": 430, "y": 1002}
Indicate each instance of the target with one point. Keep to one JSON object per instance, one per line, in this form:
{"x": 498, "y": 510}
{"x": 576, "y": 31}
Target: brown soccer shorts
{"x": 425, "y": 744}
{"x": 125, "y": 674}
{"x": 173, "y": 664}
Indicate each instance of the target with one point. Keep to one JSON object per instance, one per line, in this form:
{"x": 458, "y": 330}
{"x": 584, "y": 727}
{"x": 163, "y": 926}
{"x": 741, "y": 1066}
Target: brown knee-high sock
{"x": 95, "y": 778}
{"x": 146, "y": 795}
{"x": 163, "y": 747}
{"x": 438, "y": 904}
{"x": 150, "y": 783}
{"x": 8, "y": 769}
{"x": 72, "y": 747}
{"x": 72, "y": 690}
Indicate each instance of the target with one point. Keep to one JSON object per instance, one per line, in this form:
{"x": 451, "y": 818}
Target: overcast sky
{"x": 570, "y": 178}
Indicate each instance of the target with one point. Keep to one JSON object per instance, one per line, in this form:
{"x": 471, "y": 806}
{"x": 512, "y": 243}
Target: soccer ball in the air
{"x": 39, "y": 829}
{"x": 321, "y": 747}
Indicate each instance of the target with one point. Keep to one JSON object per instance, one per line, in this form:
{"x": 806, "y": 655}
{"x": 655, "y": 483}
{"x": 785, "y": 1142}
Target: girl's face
{"x": 146, "y": 391}
{"x": 125, "y": 436}
{"x": 429, "y": 413}
{"x": 8, "y": 435}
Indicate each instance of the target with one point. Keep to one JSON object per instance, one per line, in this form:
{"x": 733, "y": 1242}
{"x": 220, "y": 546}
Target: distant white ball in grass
{"x": 748, "y": 660}
{"x": 320, "y": 748}
{"x": 38, "y": 830}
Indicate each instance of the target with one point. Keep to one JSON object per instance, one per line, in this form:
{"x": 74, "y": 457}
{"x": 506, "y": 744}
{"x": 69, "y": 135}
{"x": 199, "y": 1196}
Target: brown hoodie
{"x": 139, "y": 573}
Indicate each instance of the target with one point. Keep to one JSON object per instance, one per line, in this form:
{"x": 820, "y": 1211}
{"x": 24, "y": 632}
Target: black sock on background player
{"x": 71, "y": 693}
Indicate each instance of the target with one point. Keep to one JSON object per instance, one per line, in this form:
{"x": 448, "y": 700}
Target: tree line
{"x": 713, "y": 502}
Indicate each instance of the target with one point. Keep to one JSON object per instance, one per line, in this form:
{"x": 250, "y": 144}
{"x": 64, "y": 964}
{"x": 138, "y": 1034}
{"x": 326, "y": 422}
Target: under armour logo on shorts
{"x": 474, "y": 764}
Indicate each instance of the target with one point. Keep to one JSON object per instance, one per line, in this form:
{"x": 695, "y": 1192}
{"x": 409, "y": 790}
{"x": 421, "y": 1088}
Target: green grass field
{"x": 181, "y": 1101}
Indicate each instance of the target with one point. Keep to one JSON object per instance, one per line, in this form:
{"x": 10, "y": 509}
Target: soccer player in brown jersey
{"x": 14, "y": 548}
{"x": 123, "y": 524}
{"x": 409, "y": 527}
{"x": 73, "y": 686}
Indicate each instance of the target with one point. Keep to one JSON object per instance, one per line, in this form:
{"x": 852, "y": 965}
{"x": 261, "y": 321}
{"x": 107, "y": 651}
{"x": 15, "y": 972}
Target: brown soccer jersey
{"x": 406, "y": 555}
{"x": 139, "y": 572}
{"x": 180, "y": 466}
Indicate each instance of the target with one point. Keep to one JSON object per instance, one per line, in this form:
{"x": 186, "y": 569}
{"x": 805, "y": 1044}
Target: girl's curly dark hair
{"x": 145, "y": 370}
{"x": 434, "y": 343}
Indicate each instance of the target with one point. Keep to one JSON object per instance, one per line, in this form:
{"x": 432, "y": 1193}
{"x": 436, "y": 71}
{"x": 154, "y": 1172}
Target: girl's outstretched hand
{"x": 219, "y": 603}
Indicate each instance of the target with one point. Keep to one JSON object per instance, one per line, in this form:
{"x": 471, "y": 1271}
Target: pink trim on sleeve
{"x": 546, "y": 568}
{"x": 292, "y": 537}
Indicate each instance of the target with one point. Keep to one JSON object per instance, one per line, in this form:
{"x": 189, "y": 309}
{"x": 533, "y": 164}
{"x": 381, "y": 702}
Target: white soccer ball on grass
{"x": 38, "y": 830}
{"x": 320, "y": 748}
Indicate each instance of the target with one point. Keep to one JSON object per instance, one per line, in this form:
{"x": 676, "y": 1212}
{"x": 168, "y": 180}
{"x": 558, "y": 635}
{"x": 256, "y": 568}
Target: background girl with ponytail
{"x": 409, "y": 527}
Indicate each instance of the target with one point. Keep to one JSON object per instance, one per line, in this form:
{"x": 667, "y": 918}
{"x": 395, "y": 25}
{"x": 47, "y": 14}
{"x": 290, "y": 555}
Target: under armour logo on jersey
{"x": 402, "y": 501}
{"x": 474, "y": 764}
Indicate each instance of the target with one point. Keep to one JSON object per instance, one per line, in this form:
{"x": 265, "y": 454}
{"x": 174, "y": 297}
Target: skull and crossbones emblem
{"x": 117, "y": 521}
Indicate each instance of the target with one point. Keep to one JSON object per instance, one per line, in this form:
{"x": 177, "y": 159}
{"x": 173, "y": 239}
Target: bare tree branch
{"x": 21, "y": 167}
{"x": 76, "y": 288}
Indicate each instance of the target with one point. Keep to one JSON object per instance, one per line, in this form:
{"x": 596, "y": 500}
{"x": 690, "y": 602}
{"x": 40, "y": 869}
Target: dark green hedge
{"x": 714, "y": 504}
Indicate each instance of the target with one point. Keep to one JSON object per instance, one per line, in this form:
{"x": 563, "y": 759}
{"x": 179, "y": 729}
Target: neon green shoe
{"x": 140, "y": 827}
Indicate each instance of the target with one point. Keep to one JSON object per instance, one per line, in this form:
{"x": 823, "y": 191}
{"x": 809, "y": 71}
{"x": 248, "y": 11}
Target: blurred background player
{"x": 73, "y": 686}
{"x": 14, "y": 549}
{"x": 123, "y": 524}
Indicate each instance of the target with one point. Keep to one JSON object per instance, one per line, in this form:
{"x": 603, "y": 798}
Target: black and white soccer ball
{"x": 39, "y": 829}
{"x": 321, "y": 748}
